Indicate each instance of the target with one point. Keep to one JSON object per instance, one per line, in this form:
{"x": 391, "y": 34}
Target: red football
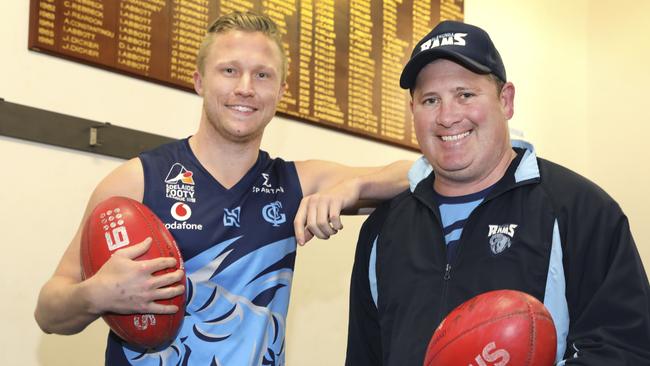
{"x": 497, "y": 328}
{"x": 120, "y": 222}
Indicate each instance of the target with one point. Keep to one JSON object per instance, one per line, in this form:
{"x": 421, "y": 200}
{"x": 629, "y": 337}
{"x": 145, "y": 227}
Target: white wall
{"x": 580, "y": 72}
{"x": 618, "y": 116}
{"x": 581, "y": 75}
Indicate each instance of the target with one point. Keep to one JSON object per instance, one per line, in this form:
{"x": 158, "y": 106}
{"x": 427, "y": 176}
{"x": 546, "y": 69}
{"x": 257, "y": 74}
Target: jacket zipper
{"x": 447, "y": 276}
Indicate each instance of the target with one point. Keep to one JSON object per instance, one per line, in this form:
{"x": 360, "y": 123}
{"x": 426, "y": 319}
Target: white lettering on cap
{"x": 455, "y": 39}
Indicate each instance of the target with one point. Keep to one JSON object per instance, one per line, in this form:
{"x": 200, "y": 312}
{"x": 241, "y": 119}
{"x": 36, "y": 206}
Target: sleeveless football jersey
{"x": 239, "y": 250}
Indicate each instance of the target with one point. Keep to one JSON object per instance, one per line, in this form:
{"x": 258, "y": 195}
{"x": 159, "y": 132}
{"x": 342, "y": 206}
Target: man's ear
{"x": 507, "y": 99}
{"x": 198, "y": 82}
{"x": 283, "y": 89}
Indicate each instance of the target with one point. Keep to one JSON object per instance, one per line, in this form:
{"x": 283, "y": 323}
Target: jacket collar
{"x": 527, "y": 168}
{"x": 523, "y": 169}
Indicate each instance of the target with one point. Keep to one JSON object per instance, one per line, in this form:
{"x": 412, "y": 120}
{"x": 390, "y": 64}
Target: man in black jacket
{"x": 484, "y": 213}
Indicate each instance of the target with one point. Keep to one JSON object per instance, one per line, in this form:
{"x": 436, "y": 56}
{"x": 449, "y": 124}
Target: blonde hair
{"x": 246, "y": 22}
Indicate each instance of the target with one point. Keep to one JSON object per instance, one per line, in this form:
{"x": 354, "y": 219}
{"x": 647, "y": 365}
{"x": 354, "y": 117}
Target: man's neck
{"x": 451, "y": 188}
{"x": 225, "y": 160}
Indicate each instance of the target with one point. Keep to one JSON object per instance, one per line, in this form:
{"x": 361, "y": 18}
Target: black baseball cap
{"x": 465, "y": 44}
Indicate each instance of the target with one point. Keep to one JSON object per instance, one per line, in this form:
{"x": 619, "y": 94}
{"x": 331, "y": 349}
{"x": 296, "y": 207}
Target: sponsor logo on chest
{"x": 500, "y": 237}
{"x": 272, "y": 213}
{"x": 180, "y": 186}
{"x": 266, "y": 186}
{"x": 182, "y": 212}
{"x": 231, "y": 216}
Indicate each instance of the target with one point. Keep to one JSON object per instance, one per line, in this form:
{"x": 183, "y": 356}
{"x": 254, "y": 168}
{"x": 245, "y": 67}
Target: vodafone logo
{"x": 181, "y": 211}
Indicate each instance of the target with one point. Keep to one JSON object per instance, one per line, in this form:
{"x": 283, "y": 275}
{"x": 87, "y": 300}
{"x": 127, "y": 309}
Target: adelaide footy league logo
{"x": 500, "y": 237}
{"x": 180, "y": 184}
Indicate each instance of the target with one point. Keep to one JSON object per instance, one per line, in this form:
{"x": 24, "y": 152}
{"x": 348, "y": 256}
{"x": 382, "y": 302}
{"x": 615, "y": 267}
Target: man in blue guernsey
{"x": 485, "y": 213}
{"x": 231, "y": 209}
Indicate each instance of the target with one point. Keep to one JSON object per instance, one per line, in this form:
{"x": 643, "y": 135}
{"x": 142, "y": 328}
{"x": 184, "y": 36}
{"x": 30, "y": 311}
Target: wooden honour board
{"x": 345, "y": 57}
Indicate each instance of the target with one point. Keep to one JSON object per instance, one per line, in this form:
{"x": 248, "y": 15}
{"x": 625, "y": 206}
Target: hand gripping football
{"x": 120, "y": 222}
{"x": 496, "y": 328}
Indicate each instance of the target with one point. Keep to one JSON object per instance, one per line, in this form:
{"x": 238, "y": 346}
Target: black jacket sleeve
{"x": 607, "y": 287}
{"x": 364, "y": 337}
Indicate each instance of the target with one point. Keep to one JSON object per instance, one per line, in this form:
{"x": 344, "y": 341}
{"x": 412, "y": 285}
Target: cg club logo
{"x": 181, "y": 211}
{"x": 273, "y": 215}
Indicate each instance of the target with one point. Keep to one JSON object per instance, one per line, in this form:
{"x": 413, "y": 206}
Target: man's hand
{"x": 331, "y": 189}
{"x": 125, "y": 285}
{"x": 319, "y": 214}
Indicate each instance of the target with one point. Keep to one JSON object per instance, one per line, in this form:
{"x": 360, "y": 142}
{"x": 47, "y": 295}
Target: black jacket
{"x": 562, "y": 240}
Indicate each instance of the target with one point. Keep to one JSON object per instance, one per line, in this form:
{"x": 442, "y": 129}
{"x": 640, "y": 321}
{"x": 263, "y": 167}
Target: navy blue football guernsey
{"x": 239, "y": 250}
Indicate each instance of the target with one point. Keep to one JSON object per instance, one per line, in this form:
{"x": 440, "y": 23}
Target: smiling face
{"x": 461, "y": 123}
{"x": 241, "y": 85}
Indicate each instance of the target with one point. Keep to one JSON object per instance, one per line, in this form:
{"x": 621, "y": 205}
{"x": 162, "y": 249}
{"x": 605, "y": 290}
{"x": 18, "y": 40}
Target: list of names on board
{"x": 345, "y": 57}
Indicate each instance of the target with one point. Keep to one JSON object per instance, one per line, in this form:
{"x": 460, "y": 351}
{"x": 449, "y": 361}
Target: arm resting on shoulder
{"x": 331, "y": 189}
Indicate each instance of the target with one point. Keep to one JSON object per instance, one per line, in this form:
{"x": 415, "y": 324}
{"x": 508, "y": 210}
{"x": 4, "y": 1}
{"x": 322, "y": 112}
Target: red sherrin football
{"x": 120, "y": 222}
{"x": 497, "y": 328}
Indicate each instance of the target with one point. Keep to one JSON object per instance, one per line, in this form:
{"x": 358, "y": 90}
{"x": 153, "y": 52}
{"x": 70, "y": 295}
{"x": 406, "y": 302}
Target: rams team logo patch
{"x": 500, "y": 237}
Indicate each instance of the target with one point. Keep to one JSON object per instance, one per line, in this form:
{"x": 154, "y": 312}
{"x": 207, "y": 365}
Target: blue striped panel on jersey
{"x": 454, "y": 212}
{"x": 220, "y": 315}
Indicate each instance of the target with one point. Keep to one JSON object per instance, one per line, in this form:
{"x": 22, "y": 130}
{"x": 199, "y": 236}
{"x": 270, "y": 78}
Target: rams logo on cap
{"x": 447, "y": 39}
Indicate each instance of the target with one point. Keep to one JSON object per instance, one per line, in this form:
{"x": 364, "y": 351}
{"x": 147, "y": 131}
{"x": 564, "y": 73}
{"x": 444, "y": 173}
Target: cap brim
{"x": 413, "y": 67}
